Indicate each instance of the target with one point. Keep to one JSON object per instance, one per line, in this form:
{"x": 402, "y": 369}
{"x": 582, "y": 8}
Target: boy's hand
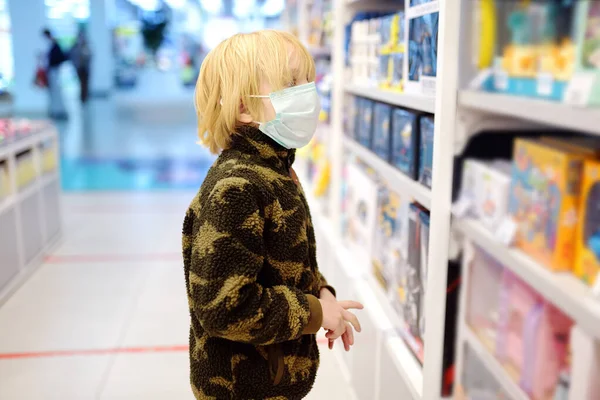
{"x": 347, "y": 338}
{"x": 336, "y": 315}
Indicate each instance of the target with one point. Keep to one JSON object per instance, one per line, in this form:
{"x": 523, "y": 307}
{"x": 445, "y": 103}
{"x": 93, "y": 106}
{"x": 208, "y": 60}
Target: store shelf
{"x": 27, "y": 191}
{"x": 564, "y": 290}
{"x": 376, "y": 302}
{"x": 493, "y": 366}
{"x": 6, "y": 203}
{"x": 25, "y": 143}
{"x": 389, "y": 321}
{"x": 404, "y": 359}
{"x": 395, "y": 178}
{"x": 48, "y": 178}
{"x": 539, "y": 111}
{"x": 415, "y": 102}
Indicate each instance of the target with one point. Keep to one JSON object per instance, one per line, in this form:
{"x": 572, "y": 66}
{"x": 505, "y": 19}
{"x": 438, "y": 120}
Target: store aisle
{"x": 106, "y": 316}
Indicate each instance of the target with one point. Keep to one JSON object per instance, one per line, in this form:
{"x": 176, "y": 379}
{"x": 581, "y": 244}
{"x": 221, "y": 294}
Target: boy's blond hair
{"x": 234, "y": 70}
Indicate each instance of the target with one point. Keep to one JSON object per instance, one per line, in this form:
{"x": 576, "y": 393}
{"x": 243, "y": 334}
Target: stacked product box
{"x": 377, "y": 53}
{"x": 527, "y": 334}
{"x": 550, "y": 191}
{"x": 421, "y": 63}
{"x": 539, "y": 49}
{"x": 401, "y": 137}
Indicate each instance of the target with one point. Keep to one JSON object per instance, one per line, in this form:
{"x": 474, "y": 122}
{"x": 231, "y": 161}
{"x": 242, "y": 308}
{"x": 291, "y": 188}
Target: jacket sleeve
{"x": 325, "y": 285}
{"x": 227, "y": 256}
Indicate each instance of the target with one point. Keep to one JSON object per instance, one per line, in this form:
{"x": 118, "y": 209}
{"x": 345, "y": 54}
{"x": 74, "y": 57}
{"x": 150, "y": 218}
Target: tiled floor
{"x": 106, "y": 316}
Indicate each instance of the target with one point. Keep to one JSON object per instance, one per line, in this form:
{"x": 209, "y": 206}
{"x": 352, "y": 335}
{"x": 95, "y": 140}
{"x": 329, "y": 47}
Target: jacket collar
{"x": 250, "y": 140}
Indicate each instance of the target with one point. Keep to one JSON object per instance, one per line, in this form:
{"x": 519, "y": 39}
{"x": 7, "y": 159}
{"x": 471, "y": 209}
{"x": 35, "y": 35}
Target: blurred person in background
{"x": 55, "y": 57}
{"x": 81, "y": 56}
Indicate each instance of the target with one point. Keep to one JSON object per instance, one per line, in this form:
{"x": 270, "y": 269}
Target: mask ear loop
{"x": 261, "y": 96}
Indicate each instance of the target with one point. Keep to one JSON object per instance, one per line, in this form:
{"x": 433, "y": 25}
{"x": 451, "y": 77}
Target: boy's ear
{"x": 244, "y": 116}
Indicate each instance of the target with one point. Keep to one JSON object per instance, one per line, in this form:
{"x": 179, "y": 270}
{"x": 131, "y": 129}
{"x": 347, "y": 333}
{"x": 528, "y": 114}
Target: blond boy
{"x": 256, "y": 296}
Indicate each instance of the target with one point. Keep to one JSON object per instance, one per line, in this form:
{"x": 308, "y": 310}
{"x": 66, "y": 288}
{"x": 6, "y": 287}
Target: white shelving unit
{"x": 415, "y": 102}
{"x": 539, "y": 111}
{"x": 392, "y": 175}
{"x": 490, "y": 362}
{"x": 381, "y": 365}
{"x": 388, "y": 370}
{"x": 30, "y": 222}
{"x": 380, "y": 347}
{"x": 567, "y": 292}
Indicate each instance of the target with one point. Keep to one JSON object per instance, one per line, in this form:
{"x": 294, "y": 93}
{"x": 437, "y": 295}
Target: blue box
{"x": 405, "y": 141}
{"x": 359, "y": 105}
{"x": 365, "y": 123}
{"x": 381, "y": 144}
{"x": 397, "y": 70}
{"x": 426, "y": 126}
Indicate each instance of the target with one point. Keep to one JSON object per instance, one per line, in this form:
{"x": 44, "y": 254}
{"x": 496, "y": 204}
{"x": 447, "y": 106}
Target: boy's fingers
{"x": 346, "y": 341}
{"x": 348, "y": 316}
{"x": 349, "y": 304}
{"x": 350, "y": 333}
{"x": 334, "y": 334}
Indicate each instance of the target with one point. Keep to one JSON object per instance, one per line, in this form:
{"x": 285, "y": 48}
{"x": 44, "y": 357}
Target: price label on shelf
{"x": 580, "y": 88}
{"x": 480, "y": 79}
{"x": 506, "y": 232}
{"x": 462, "y": 207}
{"x": 500, "y": 79}
{"x": 545, "y": 84}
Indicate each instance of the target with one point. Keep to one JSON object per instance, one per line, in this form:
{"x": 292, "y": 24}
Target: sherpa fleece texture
{"x": 252, "y": 277}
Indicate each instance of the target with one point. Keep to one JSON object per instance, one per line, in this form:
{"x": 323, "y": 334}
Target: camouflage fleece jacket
{"x": 252, "y": 277}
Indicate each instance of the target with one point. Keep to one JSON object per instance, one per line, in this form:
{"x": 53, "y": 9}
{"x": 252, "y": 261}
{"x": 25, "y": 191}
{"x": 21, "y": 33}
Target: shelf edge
{"x": 564, "y": 290}
{"x": 493, "y": 365}
{"x": 392, "y": 175}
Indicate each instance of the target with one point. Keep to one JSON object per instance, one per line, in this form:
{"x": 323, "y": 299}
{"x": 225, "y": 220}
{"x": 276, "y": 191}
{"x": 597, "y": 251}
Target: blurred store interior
{"x": 454, "y": 183}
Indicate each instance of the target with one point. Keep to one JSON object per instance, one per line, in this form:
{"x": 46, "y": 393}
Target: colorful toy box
{"x": 390, "y": 238}
{"x": 381, "y": 143}
{"x": 405, "y": 141}
{"x": 544, "y": 201}
{"x": 424, "y": 262}
{"x": 361, "y": 210}
{"x": 421, "y": 64}
{"x": 412, "y": 278}
{"x": 533, "y": 338}
{"x": 426, "y": 126}
{"x": 356, "y": 115}
{"x": 385, "y": 80}
{"x": 397, "y": 72}
{"x": 588, "y": 52}
{"x": 587, "y": 262}
{"x": 537, "y": 47}
{"x": 487, "y": 186}
{"x": 484, "y": 297}
{"x": 364, "y": 123}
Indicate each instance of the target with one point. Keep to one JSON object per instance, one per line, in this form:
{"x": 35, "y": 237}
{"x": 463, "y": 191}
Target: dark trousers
{"x": 84, "y": 83}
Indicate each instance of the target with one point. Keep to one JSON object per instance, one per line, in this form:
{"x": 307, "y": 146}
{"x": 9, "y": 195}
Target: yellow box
{"x": 544, "y": 201}
{"x": 587, "y": 261}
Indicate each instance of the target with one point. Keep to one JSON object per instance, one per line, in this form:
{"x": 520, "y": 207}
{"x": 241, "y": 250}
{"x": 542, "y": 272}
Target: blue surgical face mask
{"x": 296, "y": 115}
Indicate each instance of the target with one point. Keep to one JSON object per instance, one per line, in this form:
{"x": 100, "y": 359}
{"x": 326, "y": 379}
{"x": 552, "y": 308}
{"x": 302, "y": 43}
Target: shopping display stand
{"x": 30, "y": 214}
{"x": 382, "y": 365}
